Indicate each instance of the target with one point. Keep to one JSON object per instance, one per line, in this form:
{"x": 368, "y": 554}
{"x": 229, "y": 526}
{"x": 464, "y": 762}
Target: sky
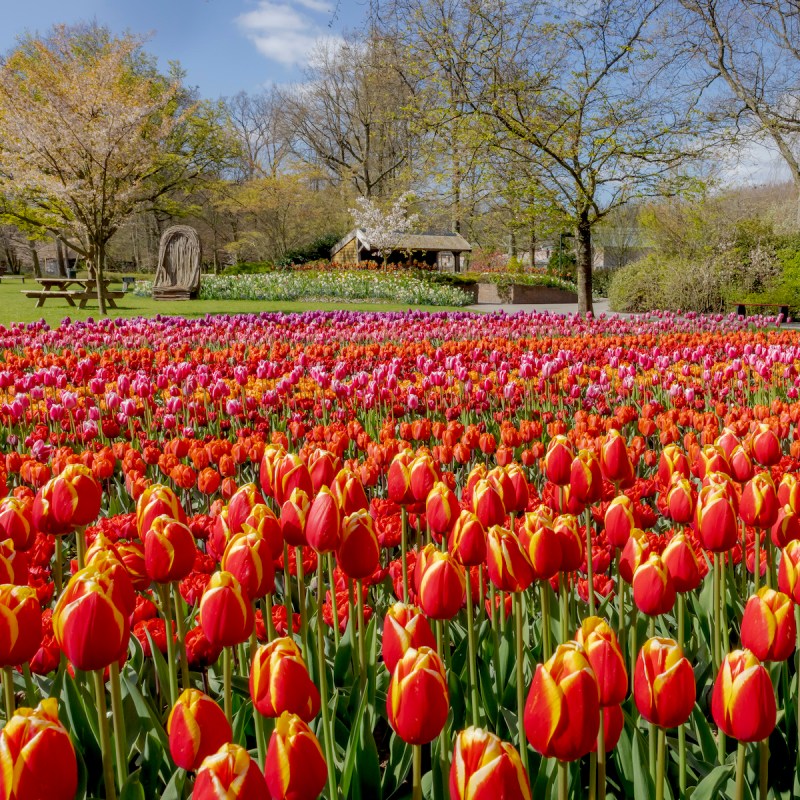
{"x": 225, "y": 46}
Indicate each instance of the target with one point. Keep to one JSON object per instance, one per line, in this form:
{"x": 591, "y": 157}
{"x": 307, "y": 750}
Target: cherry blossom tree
{"x": 91, "y": 133}
{"x": 384, "y": 229}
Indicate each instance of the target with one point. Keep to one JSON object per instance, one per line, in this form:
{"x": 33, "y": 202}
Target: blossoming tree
{"x": 91, "y": 133}
{"x": 383, "y": 229}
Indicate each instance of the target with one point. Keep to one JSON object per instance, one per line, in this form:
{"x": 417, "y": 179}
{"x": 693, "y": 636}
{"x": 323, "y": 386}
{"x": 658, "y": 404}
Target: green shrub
{"x": 318, "y": 250}
{"x": 249, "y": 268}
{"x": 563, "y": 264}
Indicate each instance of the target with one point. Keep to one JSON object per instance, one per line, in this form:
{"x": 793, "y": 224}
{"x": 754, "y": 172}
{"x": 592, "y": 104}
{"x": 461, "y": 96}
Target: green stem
{"x": 403, "y": 549}
{"x": 681, "y": 728}
{"x": 416, "y": 792}
{"x": 471, "y": 657}
{"x": 740, "y": 754}
{"x": 593, "y": 775}
{"x": 105, "y": 736}
{"x": 544, "y": 596}
{"x": 651, "y": 741}
{"x": 80, "y": 546}
{"x": 287, "y": 595}
{"x": 180, "y": 618}
{"x": 563, "y": 780}
{"x": 8, "y": 691}
{"x": 166, "y": 610}
{"x": 620, "y": 587}
{"x": 763, "y": 769}
{"x": 523, "y": 745}
{"x": 327, "y": 731}
{"x": 662, "y": 736}
{"x": 334, "y": 606}
{"x": 562, "y": 588}
{"x": 118, "y": 718}
{"x": 589, "y": 565}
{"x": 717, "y": 621}
{"x": 756, "y": 561}
{"x": 601, "y": 759}
{"x": 770, "y": 560}
{"x": 266, "y": 616}
{"x": 227, "y": 669}
{"x": 362, "y": 644}
{"x": 57, "y": 573}
{"x": 634, "y": 646}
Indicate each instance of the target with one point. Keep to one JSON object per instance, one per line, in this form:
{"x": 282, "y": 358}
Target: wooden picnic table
{"x": 60, "y": 288}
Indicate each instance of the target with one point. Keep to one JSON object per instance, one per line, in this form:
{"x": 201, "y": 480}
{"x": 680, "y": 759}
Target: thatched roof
{"x": 434, "y": 242}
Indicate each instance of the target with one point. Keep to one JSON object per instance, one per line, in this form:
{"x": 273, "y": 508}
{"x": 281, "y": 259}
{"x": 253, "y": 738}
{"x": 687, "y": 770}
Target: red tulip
{"x": 636, "y": 551}
{"x": 681, "y": 562}
{"x": 322, "y": 466}
{"x": 266, "y": 475}
{"x": 615, "y": 463}
{"x": 249, "y": 559}
{"x": 602, "y": 651}
{"x": 508, "y": 564}
{"x": 715, "y": 520}
{"x": 13, "y": 564}
{"x": 262, "y": 520}
{"x": 197, "y": 727}
{"x": 789, "y": 491}
{"x": 558, "y": 460}
{"x": 359, "y": 553}
{"x": 169, "y": 550}
{"x": 487, "y": 503}
{"x": 154, "y": 501}
{"x": 672, "y": 461}
{"x": 653, "y": 589}
{"x": 663, "y": 683}
{"x": 681, "y": 501}
{"x": 417, "y": 701}
{"x": 468, "y": 540}
{"x": 399, "y": 478}
{"x": 518, "y": 497}
{"x": 759, "y": 504}
{"x": 290, "y": 473}
{"x": 743, "y": 700}
{"x": 241, "y": 505}
{"x": 37, "y": 759}
{"x": 232, "y": 774}
{"x": 620, "y": 520}
{"x": 294, "y": 518}
{"x": 766, "y": 446}
{"x": 440, "y": 583}
{"x": 562, "y": 712}
{"x": 20, "y": 624}
{"x": 768, "y": 625}
{"x": 67, "y": 501}
{"x": 422, "y": 476}
{"x": 786, "y": 528}
{"x": 16, "y": 522}
{"x": 404, "y": 627}
{"x": 324, "y": 522}
{"x": 543, "y": 547}
{"x": 486, "y": 768}
{"x": 441, "y": 509}
{"x": 741, "y": 464}
{"x": 226, "y": 614}
{"x": 279, "y": 681}
{"x": 585, "y": 478}
{"x": 789, "y": 571}
{"x": 295, "y": 768}
{"x": 349, "y": 492}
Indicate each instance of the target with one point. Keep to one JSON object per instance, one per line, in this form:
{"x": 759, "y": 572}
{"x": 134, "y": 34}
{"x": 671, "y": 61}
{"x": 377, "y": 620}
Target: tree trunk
{"x": 584, "y": 266}
{"x": 62, "y": 266}
{"x": 532, "y": 247}
{"x": 37, "y": 270}
{"x": 99, "y": 265}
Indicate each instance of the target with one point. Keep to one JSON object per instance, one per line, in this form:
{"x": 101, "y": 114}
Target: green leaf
{"x": 708, "y": 744}
{"x": 83, "y": 732}
{"x": 398, "y": 766}
{"x": 709, "y": 787}
{"x": 174, "y": 789}
{"x": 642, "y": 780}
{"x": 148, "y": 716}
{"x": 351, "y": 751}
{"x": 132, "y": 790}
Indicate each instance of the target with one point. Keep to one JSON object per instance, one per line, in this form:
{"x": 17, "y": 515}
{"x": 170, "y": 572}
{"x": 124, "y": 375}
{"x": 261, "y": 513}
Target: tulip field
{"x": 400, "y": 555}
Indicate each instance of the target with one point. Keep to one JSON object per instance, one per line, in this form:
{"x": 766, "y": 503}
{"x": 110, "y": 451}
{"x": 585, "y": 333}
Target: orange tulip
{"x": 663, "y": 683}
{"x": 768, "y": 625}
{"x": 197, "y": 727}
{"x": 295, "y": 768}
{"x": 279, "y": 681}
{"x": 230, "y": 773}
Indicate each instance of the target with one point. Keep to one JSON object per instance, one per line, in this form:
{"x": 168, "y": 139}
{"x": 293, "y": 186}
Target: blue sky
{"x": 224, "y": 45}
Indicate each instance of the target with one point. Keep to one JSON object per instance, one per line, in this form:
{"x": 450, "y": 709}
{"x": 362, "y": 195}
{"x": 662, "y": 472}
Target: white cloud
{"x": 754, "y": 163}
{"x": 282, "y": 32}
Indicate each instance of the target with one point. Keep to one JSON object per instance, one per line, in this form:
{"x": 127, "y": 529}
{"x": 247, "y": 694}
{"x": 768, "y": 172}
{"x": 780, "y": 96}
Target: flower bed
{"x": 343, "y": 554}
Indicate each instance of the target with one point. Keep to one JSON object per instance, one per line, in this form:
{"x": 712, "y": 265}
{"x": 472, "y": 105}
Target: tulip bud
{"x": 294, "y": 518}
{"x": 295, "y": 768}
{"x": 232, "y": 774}
{"x": 441, "y": 509}
{"x": 759, "y": 504}
{"x": 154, "y": 501}
{"x": 468, "y": 540}
{"x": 571, "y": 540}
{"x": 562, "y": 712}
{"x": 585, "y": 477}
{"x": 789, "y": 491}
{"x": 349, "y": 492}
{"x": 542, "y": 546}
{"x": 636, "y": 551}
{"x": 487, "y": 503}
{"x": 485, "y": 767}
{"x": 672, "y": 461}
{"x": 249, "y": 559}
{"x": 741, "y": 465}
{"x": 653, "y": 589}
{"x": 518, "y": 496}
{"x": 266, "y": 475}
{"x": 20, "y": 624}
{"x": 423, "y": 476}
{"x": 322, "y": 466}
{"x": 663, "y": 683}
{"x": 728, "y": 441}
{"x": 558, "y": 460}
{"x": 37, "y": 759}
{"x": 279, "y": 681}
{"x": 440, "y": 583}
{"x": 743, "y": 700}
{"x": 90, "y": 622}
{"x": 615, "y": 463}
{"x": 768, "y": 625}
{"x": 358, "y": 554}
{"x": 262, "y": 520}
{"x": 169, "y": 550}
{"x": 197, "y": 728}
{"x": 225, "y": 613}
{"x": 508, "y": 564}
{"x": 67, "y": 501}
{"x": 399, "y": 478}
{"x": 711, "y": 459}
{"x": 789, "y": 571}
{"x": 241, "y": 505}
{"x": 290, "y": 473}
{"x": 620, "y": 520}
{"x": 681, "y": 562}
{"x": 417, "y": 701}
{"x": 13, "y": 564}
{"x": 16, "y": 522}
{"x": 404, "y": 627}
{"x": 602, "y": 651}
{"x": 715, "y": 520}
{"x": 766, "y": 446}
{"x": 681, "y": 501}
{"x": 323, "y": 524}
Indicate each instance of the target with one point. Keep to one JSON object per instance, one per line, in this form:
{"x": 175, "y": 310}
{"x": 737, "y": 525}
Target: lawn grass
{"x": 15, "y": 307}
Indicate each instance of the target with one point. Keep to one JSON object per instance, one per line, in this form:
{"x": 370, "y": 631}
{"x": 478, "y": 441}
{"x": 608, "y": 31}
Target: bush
{"x": 563, "y": 264}
{"x": 330, "y": 285}
{"x": 249, "y": 268}
{"x": 318, "y": 250}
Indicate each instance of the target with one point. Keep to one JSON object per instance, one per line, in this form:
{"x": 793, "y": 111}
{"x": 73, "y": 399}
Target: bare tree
{"x": 348, "y": 115}
{"x": 752, "y": 47}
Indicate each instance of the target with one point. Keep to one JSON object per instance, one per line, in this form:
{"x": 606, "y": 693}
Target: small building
{"x": 448, "y": 252}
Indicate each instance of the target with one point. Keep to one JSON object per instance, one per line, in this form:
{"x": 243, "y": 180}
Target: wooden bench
{"x": 12, "y": 276}
{"x": 71, "y": 295}
{"x": 741, "y": 308}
